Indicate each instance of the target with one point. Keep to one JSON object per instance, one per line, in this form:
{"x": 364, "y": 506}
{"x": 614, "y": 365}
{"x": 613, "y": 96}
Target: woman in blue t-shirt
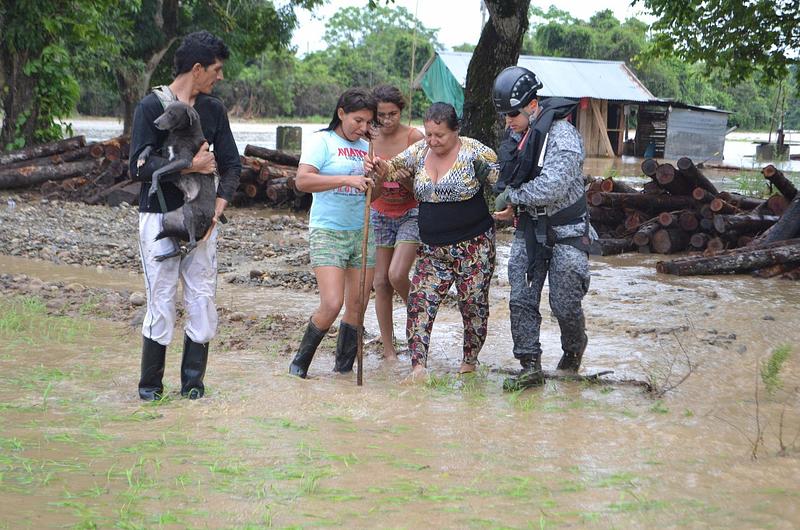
{"x": 332, "y": 168}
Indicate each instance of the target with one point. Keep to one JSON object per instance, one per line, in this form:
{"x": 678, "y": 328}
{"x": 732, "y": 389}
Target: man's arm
{"x": 552, "y": 184}
{"x": 228, "y": 161}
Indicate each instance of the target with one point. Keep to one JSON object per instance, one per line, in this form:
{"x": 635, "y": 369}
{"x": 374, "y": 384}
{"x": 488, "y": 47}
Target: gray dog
{"x": 191, "y": 221}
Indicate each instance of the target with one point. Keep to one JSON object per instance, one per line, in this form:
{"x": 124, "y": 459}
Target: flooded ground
{"x": 78, "y": 449}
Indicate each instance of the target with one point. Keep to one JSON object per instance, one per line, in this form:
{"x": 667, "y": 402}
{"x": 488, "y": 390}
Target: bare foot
{"x": 390, "y": 356}
{"x": 418, "y": 375}
{"x": 467, "y": 368}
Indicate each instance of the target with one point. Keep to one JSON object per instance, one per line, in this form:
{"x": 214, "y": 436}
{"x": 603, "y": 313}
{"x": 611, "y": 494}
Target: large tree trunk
{"x": 498, "y": 48}
{"x": 160, "y": 23}
{"x": 18, "y": 98}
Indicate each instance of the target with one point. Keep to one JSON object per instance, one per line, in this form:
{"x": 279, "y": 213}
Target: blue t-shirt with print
{"x": 341, "y": 208}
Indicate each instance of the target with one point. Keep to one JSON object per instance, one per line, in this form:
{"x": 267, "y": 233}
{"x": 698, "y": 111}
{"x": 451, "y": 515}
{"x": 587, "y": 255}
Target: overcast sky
{"x": 458, "y": 21}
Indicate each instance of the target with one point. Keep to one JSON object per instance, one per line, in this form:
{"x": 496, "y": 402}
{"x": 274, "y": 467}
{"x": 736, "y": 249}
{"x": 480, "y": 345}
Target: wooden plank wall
{"x": 595, "y": 141}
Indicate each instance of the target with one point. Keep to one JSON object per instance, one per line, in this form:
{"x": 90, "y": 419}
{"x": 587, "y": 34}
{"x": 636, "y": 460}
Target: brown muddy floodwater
{"x": 264, "y": 449}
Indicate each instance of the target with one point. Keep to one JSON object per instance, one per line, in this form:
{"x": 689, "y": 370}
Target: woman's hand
{"x": 377, "y": 164}
{"x": 405, "y": 178}
{"x": 360, "y": 182}
{"x": 504, "y": 215}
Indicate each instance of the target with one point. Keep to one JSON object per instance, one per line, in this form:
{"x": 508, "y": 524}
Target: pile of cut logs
{"x": 68, "y": 169}
{"x": 269, "y": 176}
{"x": 97, "y": 173}
{"x": 680, "y": 209}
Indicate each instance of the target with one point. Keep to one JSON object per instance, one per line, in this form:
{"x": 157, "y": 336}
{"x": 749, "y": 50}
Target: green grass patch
{"x": 771, "y": 368}
{"x": 24, "y": 322}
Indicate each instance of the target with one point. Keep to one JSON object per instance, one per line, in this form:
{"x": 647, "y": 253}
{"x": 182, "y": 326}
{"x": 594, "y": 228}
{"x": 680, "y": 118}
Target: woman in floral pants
{"x": 456, "y": 231}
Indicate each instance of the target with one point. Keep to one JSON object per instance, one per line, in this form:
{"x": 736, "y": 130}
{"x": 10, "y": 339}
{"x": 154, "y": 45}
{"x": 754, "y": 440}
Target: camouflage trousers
{"x": 470, "y": 265}
{"x": 568, "y": 272}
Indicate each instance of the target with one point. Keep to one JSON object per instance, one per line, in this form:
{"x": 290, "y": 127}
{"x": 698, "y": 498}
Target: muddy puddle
{"x": 263, "y": 449}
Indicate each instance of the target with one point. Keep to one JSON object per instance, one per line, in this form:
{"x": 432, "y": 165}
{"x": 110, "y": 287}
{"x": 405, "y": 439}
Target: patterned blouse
{"x": 458, "y": 184}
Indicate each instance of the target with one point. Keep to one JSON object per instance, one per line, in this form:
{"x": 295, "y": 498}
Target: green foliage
{"x": 771, "y": 368}
{"x": 42, "y": 44}
{"x": 373, "y": 46}
{"x": 740, "y": 38}
{"x": 752, "y": 100}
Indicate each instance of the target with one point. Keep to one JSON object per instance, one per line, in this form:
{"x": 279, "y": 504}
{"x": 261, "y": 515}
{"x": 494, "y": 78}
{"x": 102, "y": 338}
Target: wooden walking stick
{"x": 362, "y": 286}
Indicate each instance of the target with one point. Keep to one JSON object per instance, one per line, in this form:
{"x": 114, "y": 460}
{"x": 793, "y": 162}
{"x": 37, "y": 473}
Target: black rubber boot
{"x": 573, "y": 342}
{"x": 193, "y": 368}
{"x": 346, "y": 348}
{"x": 529, "y": 376}
{"x": 308, "y": 347}
{"x": 150, "y": 385}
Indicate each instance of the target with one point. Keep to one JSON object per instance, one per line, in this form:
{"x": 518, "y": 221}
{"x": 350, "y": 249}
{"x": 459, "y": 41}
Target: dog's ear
{"x": 190, "y": 112}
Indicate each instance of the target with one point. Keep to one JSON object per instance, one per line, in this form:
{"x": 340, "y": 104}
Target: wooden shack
{"x": 607, "y": 92}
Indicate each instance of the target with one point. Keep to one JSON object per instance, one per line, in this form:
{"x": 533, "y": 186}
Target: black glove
{"x": 501, "y": 202}
{"x": 482, "y": 170}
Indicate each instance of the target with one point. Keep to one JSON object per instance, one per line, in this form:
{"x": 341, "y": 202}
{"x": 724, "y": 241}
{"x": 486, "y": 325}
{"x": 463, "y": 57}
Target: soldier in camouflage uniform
{"x": 541, "y": 187}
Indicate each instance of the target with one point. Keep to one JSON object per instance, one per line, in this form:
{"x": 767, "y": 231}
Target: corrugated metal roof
{"x": 569, "y": 78}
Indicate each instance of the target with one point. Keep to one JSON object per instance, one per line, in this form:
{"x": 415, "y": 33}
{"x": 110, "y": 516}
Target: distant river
{"x": 740, "y": 147}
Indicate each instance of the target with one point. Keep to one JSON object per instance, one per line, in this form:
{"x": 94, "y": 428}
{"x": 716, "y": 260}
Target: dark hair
{"x": 389, "y": 94}
{"x": 441, "y": 112}
{"x": 353, "y": 100}
{"x": 198, "y": 47}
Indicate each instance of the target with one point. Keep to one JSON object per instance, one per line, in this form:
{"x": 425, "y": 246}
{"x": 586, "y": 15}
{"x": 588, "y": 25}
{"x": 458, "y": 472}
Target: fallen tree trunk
{"x": 702, "y": 195}
{"x": 788, "y": 226}
{"x": 736, "y": 261}
{"x": 776, "y": 177}
{"x": 642, "y": 236}
{"x": 609, "y": 184}
{"x": 278, "y": 191}
{"x": 38, "y": 151}
{"x": 649, "y": 168}
{"x": 279, "y": 157}
{"x": 694, "y": 176}
{"x": 688, "y": 220}
{"x": 34, "y": 175}
{"x": 613, "y": 246}
{"x": 777, "y": 204}
{"x": 669, "y": 241}
{"x": 699, "y": 240}
{"x": 743, "y": 223}
{"x": 741, "y": 201}
{"x": 648, "y": 202}
{"x": 605, "y": 216}
{"x": 673, "y": 181}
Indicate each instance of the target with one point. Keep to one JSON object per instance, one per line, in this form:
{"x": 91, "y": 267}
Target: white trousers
{"x": 197, "y": 272}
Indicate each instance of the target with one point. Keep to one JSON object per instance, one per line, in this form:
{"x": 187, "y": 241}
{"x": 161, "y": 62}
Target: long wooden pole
{"x": 362, "y": 285}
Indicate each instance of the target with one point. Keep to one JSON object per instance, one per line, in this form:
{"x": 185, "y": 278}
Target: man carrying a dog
{"x": 197, "y": 68}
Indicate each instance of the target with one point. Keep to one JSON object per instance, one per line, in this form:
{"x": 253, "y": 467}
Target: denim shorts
{"x": 340, "y": 248}
{"x": 390, "y": 231}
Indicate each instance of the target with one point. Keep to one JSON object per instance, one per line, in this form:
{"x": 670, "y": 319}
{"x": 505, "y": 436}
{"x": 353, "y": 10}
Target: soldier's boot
{"x": 153, "y": 355}
{"x": 305, "y": 353}
{"x": 193, "y": 368}
{"x": 346, "y": 348}
{"x": 529, "y": 376}
{"x": 573, "y": 342}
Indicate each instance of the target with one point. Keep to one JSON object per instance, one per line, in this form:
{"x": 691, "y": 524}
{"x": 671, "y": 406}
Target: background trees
{"x": 42, "y": 44}
{"x": 100, "y": 56}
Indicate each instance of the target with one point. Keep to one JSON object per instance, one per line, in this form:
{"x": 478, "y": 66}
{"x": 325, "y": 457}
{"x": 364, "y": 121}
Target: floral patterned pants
{"x": 470, "y": 265}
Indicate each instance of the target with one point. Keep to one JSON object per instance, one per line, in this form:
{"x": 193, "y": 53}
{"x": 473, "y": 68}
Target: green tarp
{"x": 440, "y": 85}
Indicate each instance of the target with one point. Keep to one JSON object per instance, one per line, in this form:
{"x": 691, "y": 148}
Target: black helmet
{"x": 514, "y": 88}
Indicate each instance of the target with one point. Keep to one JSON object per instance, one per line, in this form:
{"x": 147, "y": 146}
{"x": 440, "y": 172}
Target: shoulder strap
{"x": 164, "y": 95}
{"x": 408, "y": 138}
